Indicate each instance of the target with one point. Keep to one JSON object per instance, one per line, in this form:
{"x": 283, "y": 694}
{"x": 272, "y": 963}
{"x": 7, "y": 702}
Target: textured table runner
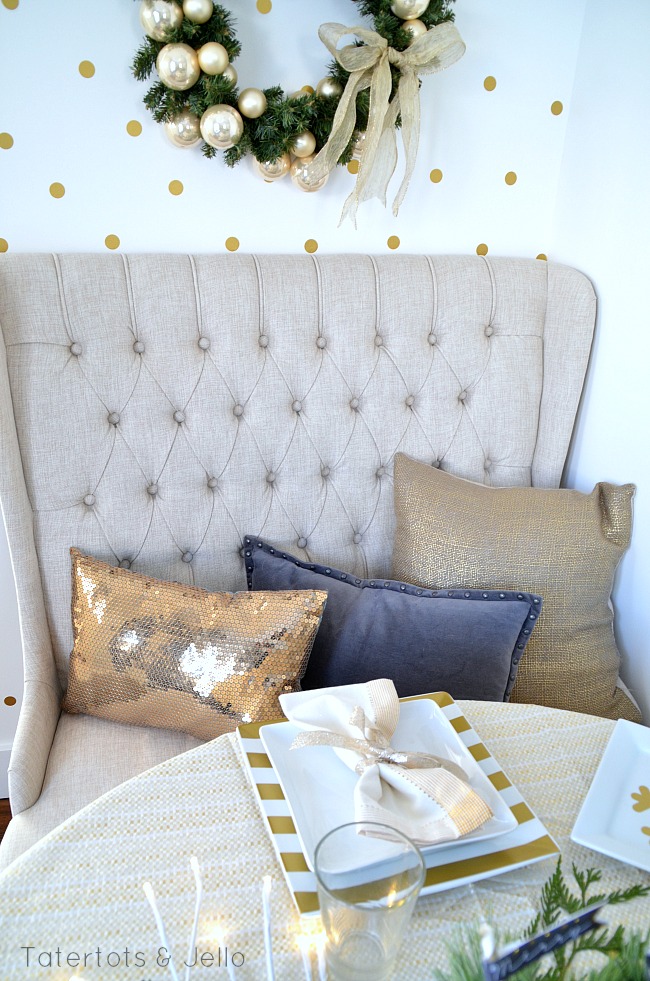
{"x": 80, "y": 889}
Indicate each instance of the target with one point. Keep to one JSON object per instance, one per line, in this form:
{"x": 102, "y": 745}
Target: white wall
{"x": 72, "y": 130}
{"x": 601, "y": 225}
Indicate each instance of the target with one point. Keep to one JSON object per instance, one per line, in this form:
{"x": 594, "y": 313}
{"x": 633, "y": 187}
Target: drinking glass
{"x": 369, "y": 876}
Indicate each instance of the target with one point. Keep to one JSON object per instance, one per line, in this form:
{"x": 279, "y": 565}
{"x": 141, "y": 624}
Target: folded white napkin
{"x": 425, "y": 797}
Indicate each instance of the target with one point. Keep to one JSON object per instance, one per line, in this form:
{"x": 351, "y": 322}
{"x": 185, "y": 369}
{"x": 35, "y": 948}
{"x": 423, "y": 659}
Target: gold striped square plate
{"x": 446, "y": 867}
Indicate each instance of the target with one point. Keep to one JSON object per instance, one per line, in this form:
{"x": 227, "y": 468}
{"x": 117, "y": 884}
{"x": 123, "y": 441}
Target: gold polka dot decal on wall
{"x": 6, "y": 141}
{"x": 510, "y": 178}
{"x": 489, "y": 83}
{"x": 10, "y": 700}
{"x": 435, "y": 176}
{"x": 86, "y": 69}
{"x": 482, "y": 249}
{"x": 311, "y": 245}
{"x": 393, "y": 242}
{"x": 232, "y": 243}
{"x": 57, "y": 190}
{"x": 112, "y": 242}
{"x": 556, "y": 108}
{"x": 353, "y": 166}
{"x": 264, "y": 6}
{"x": 176, "y": 188}
{"x": 10, "y": 4}
{"x": 4, "y": 244}
{"x": 133, "y": 127}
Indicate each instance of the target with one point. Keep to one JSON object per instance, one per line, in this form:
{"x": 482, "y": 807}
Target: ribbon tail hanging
{"x": 409, "y": 100}
{"x": 366, "y": 186}
{"x": 385, "y": 158}
{"x": 342, "y": 126}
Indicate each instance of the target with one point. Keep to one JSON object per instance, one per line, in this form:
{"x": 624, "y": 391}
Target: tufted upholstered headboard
{"x": 166, "y": 405}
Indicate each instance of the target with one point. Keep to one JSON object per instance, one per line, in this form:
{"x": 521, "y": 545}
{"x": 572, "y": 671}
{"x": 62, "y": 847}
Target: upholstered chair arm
{"x": 37, "y": 724}
{"x": 41, "y": 704}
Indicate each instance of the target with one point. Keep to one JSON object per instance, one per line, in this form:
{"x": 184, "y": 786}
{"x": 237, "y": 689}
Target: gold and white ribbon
{"x": 373, "y": 748}
{"x": 425, "y": 796}
{"x": 369, "y": 66}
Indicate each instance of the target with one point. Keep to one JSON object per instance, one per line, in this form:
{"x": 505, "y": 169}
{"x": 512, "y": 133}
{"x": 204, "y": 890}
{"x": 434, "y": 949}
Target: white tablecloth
{"x": 79, "y": 890}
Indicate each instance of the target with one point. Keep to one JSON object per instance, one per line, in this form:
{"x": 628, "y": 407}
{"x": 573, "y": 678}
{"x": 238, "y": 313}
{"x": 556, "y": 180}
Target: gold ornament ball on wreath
{"x": 251, "y": 103}
{"x": 213, "y": 58}
{"x": 230, "y": 74}
{"x": 221, "y": 126}
{"x": 304, "y": 144}
{"x": 409, "y": 9}
{"x": 158, "y": 17}
{"x": 301, "y": 177}
{"x": 198, "y": 11}
{"x": 415, "y": 28}
{"x": 329, "y": 88}
{"x": 178, "y": 66}
{"x": 273, "y": 170}
{"x": 184, "y": 129}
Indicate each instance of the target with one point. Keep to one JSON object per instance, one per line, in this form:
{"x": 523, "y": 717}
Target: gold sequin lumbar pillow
{"x": 565, "y": 545}
{"x": 163, "y": 654}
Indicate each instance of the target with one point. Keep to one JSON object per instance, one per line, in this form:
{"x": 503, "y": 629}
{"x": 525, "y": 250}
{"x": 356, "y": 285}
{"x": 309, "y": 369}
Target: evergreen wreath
{"x": 268, "y": 123}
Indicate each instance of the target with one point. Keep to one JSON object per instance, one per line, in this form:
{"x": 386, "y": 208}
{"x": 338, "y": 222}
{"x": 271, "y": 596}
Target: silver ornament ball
{"x": 158, "y": 17}
{"x": 213, "y": 58}
{"x": 184, "y": 129}
{"x": 329, "y": 88}
{"x": 358, "y": 145}
{"x": 304, "y": 144}
{"x": 251, "y": 103}
{"x": 198, "y": 11}
{"x": 273, "y": 170}
{"x": 409, "y": 9}
{"x": 415, "y": 28}
{"x": 221, "y": 126}
{"x": 178, "y": 66}
{"x": 301, "y": 177}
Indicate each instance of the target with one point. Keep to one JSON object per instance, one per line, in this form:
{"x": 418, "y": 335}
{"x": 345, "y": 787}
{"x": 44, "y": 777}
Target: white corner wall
{"x": 70, "y": 130}
{"x": 601, "y": 225}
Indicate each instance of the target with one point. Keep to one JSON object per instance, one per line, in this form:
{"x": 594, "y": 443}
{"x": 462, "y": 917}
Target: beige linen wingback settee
{"x": 156, "y": 408}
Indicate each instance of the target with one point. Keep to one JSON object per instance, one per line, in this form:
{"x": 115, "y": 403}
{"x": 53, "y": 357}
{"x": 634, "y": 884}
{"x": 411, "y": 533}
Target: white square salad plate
{"x": 615, "y": 816}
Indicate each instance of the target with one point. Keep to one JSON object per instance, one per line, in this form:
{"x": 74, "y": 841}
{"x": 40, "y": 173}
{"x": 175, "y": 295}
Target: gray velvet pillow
{"x": 467, "y": 642}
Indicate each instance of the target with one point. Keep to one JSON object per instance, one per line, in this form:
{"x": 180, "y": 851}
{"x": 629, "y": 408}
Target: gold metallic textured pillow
{"x": 155, "y": 653}
{"x": 453, "y": 533}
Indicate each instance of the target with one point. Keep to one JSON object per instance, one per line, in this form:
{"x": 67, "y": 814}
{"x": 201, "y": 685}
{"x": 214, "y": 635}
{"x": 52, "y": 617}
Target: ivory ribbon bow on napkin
{"x": 425, "y": 797}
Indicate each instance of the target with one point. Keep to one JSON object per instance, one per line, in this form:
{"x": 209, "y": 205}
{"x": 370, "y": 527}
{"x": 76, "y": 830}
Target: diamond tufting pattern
{"x": 167, "y": 405}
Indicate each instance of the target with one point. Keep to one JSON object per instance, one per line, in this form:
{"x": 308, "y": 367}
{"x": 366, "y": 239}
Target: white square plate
{"x": 319, "y": 787}
{"x": 608, "y": 821}
{"x": 449, "y": 864}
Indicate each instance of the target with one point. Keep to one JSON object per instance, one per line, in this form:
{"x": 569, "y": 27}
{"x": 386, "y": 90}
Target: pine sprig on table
{"x": 624, "y": 952}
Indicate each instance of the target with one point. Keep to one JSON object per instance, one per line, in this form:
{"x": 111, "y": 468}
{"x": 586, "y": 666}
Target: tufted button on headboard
{"x": 165, "y": 406}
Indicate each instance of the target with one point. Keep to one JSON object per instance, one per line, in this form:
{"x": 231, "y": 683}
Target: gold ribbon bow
{"x": 369, "y": 67}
